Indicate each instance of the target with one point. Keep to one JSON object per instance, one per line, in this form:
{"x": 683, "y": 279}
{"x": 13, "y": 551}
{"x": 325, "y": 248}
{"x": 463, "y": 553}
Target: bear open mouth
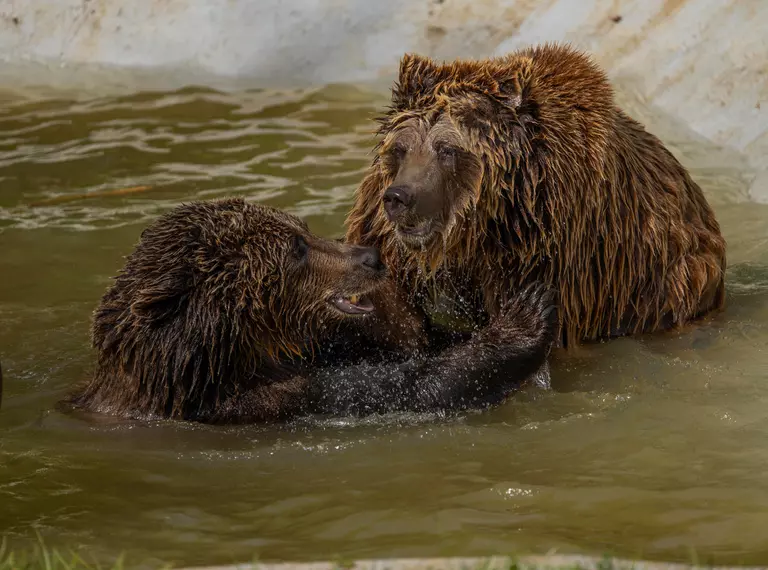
{"x": 417, "y": 232}
{"x": 352, "y": 305}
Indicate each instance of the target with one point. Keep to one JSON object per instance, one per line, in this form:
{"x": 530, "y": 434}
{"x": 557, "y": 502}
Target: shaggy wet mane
{"x": 574, "y": 193}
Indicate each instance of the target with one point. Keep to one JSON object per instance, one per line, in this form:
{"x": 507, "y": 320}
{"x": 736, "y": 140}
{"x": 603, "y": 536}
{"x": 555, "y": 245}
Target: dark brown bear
{"x": 496, "y": 173}
{"x": 220, "y": 309}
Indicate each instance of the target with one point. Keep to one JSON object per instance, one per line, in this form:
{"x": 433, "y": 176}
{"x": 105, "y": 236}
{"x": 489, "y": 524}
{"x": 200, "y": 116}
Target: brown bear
{"x": 496, "y": 173}
{"x": 220, "y": 314}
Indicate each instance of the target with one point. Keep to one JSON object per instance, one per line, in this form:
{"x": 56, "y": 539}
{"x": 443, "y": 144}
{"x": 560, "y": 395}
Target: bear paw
{"x": 530, "y": 317}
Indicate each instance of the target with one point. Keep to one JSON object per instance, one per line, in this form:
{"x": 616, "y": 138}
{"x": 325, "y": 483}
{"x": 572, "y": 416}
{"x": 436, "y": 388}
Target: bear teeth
{"x": 354, "y": 299}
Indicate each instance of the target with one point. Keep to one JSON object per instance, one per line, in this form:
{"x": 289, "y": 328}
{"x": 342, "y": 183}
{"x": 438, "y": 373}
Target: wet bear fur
{"x": 222, "y": 311}
{"x": 493, "y": 174}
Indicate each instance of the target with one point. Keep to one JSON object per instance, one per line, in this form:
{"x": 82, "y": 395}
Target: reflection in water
{"x": 647, "y": 447}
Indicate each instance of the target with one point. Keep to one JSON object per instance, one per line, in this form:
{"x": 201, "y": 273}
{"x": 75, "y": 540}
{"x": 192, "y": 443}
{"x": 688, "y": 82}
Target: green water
{"x": 648, "y": 447}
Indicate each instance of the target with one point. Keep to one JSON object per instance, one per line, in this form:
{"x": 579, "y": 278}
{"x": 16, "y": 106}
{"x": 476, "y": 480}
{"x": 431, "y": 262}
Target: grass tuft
{"x": 41, "y": 557}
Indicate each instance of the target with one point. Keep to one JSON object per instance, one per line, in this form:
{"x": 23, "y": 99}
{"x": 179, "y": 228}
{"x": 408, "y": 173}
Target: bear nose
{"x": 396, "y": 201}
{"x": 369, "y": 258}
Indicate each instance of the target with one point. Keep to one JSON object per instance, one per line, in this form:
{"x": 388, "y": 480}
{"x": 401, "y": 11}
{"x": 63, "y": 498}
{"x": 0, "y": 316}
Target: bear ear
{"x": 512, "y": 91}
{"x": 163, "y": 298}
{"x": 418, "y": 76}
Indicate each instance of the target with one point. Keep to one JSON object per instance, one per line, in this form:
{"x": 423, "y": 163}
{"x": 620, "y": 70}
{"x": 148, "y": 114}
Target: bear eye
{"x": 300, "y": 247}
{"x": 397, "y": 151}
{"x": 447, "y": 152}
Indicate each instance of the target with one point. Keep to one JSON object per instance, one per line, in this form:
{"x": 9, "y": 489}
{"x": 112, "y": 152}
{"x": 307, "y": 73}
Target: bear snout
{"x": 397, "y": 199}
{"x": 369, "y": 258}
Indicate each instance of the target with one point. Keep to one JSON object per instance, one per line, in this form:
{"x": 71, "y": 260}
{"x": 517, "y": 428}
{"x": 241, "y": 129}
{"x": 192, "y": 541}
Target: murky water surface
{"x": 651, "y": 447}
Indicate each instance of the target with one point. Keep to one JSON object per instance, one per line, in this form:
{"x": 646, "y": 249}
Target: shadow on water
{"x": 651, "y": 446}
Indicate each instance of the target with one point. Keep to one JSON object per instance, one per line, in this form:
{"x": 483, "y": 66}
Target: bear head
{"x": 468, "y": 142}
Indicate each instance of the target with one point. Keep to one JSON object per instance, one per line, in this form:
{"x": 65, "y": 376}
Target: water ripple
{"x": 289, "y": 149}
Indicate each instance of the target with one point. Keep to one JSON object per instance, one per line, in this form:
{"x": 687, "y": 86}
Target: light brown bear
{"x": 496, "y": 173}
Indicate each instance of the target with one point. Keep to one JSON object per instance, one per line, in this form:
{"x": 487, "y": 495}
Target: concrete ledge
{"x": 552, "y": 562}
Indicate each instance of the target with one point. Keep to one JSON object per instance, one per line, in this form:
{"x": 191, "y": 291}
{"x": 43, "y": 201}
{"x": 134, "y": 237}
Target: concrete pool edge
{"x": 703, "y": 62}
{"x": 532, "y": 562}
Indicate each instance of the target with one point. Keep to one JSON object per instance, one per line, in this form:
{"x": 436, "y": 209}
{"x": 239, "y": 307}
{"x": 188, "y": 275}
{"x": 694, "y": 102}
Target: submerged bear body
{"x": 230, "y": 312}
